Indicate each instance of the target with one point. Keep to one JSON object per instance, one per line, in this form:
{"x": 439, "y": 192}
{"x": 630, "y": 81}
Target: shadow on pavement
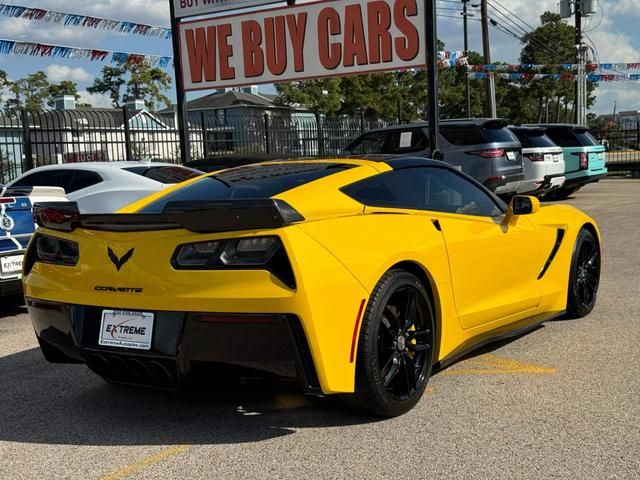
{"x": 67, "y": 404}
{"x": 12, "y": 305}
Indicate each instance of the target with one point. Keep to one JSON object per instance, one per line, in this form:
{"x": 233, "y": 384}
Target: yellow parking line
{"x": 490, "y": 364}
{"x": 145, "y": 462}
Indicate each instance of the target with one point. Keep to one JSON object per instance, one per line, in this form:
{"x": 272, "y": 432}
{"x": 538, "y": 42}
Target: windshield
{"x": 572, "y": 137}
{"x": 253, "y": 181}
{"x": 534, "y": 139}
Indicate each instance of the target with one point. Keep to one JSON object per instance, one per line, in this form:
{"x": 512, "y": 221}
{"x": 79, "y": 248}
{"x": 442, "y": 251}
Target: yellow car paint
{"x": 482, "y": 272}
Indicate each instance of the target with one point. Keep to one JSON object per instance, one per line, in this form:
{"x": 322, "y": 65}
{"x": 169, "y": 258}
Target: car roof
{"x": 546, "y": 125}
{"x": 479, "y": 122}
{"x": 102, "y": 165}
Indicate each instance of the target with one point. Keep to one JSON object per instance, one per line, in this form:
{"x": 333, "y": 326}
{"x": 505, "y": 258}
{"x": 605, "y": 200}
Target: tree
{"x": 142, "y": 81}
{"x": 65, "y": 87}
{"x": 4, "y": 82}
{"x": 29, "y": 92}
{"x": 110, "y": 83}
{"x": 553, "y": 42}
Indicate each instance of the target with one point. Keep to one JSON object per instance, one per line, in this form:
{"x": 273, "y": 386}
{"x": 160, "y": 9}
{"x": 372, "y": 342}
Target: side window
{"x": 83, "y": 180}
{"x": 370, "y": 143}
{"x": 406, "y": 141}
{"x": 385, "y": 190}
{"x": 50, "y": 178}
{"x": 425, "y": 188}
{"x": 448, "y": 192}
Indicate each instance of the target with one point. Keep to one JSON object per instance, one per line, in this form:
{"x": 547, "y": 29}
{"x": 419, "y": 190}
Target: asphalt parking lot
{"x": 559, "y": 402}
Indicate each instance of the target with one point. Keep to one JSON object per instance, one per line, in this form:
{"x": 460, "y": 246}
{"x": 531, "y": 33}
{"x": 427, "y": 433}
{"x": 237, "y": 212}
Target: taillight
{"x": 493, "y": 153}
{"x": 584, "y": 160}
{"x": 535, "y": 157}
{"x": 7, "y": 200}
{"x": 264, "y": 253}
{"x": 54, "y": 251}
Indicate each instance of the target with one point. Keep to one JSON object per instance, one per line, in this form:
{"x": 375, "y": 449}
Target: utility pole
{"x": 433, "y": 110}
{"x": 465, "y": 22}
{"x": 581, "y": 79}
{"x": 491, "y": 81}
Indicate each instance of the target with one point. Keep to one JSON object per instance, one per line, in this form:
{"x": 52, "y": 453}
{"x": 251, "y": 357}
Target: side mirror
{"x": 524, "y": 205}
{"x": 521, "y": 205}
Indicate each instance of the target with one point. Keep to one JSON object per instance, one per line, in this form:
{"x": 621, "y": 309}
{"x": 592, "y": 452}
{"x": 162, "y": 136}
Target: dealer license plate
{"x": 511, "y": 156}
{"x": 125, "y": 329}
{"x": 11, "y": 264}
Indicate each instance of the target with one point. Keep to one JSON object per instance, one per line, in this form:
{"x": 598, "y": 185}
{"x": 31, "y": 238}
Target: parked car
{"x": 354, "y": 277}
{"x": 542, "y": 159}
{"x": 585, "y": 158}
{"x": 481, "y": 147}
{"x": 16, "y": 229}
{"x": 105, "y": 187}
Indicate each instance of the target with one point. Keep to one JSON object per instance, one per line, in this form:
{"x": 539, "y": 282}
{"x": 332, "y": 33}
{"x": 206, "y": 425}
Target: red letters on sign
{"x": 407, "y": 48}
{"x": 226, "y": 52}
{"x": 329, "y": 24}
{"x": 201, "y": 47}
{"x": 379, "y": 22}
{"x": 355, "y": 45}
{"x": 276, "y": 42}
{"x": 253, "y": 55}
{"x": 297, "y": 30}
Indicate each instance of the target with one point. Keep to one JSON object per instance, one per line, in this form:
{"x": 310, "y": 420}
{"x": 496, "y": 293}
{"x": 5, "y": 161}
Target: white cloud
{"x": 142, "y": 11}
{"x": 620, "y": 7}
{"x": 57, "y": 73}
{"x": 96, "y": 100}
{"x": 34, "y": 31}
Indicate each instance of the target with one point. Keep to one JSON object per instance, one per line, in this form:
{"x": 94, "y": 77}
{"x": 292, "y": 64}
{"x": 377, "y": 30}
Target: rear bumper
{"x": 184, "y": 346}
{"x": 506, "y": 184}
{"x": 10, "y": 287}
{"x": 583, "y": 180}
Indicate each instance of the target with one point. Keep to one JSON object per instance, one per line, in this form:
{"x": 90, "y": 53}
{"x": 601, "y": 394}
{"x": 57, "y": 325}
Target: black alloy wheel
{"x": 585, "y": 275}
{"x": 396, "y": 347}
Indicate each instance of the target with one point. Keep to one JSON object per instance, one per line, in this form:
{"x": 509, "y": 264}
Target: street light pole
{"x": 465, "y": 22}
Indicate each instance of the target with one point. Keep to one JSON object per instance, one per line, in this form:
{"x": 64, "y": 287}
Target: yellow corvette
{"x": 358, "y": 277}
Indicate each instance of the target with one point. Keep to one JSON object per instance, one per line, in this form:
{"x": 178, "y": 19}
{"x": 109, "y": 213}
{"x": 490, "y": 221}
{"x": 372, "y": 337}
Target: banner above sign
{"x": 190, "y": 8}
{"x": 314, "y": 40}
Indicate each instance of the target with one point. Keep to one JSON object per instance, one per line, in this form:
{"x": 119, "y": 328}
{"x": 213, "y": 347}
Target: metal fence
{"x": 622, "y": 140}
{"x": 33, "y": 139}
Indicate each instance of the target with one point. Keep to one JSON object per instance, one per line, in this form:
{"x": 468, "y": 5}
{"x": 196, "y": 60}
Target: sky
{"x": 613, "y": 31}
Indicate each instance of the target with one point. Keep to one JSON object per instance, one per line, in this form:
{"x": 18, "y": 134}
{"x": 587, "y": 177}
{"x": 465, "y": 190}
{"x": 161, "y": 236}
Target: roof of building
{"x": 233, "y": 99}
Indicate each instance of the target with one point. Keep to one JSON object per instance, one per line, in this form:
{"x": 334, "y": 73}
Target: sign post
{"x": 322, "y": 39}
{"x": 432, "y": 77}
{"x": 181, "y": 96}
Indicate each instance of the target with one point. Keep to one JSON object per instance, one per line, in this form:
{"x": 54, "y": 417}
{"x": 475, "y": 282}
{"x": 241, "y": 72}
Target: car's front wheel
{"x": 395, "y": 349}
{"x": 584, "y": 277}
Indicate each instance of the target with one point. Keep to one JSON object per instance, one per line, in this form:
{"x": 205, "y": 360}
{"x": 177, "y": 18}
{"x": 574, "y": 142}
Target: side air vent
{"x": 556, "y": 247}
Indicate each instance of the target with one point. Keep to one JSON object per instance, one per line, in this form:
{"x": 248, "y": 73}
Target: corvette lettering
{"x": 119, "y": 289}
{"x": 308, "y": 41}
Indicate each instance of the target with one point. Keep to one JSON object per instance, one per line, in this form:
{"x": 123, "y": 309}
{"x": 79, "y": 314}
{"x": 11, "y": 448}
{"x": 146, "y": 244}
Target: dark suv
{"x": 481, "y": 147}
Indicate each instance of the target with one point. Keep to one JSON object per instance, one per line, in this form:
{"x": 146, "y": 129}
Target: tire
{"x": 584, "y": 277}
{"x": 395, "y": 348}
{"x": 561, "y": 193}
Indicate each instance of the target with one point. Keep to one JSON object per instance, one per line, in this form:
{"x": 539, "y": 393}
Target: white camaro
{"x": 105, "y": 187}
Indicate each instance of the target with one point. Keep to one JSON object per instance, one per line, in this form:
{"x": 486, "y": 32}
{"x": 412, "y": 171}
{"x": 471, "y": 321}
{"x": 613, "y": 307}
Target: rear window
{"x": 165, "y": 174}
{"x": 533, "y": 139}
{"x": 464, "y": 135}
{"x": 569, "y": 137}
{"x": 254, "y": 181}
{"x": 390, "y": 142}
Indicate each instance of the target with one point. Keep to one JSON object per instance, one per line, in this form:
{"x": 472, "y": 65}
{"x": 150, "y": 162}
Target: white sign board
{"x": 189, "y": 8}
{"x": 313, "y": 40}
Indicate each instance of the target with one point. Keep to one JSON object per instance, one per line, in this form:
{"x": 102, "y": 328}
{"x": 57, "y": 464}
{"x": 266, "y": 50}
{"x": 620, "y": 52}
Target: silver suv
{"x": 483, "y": 148}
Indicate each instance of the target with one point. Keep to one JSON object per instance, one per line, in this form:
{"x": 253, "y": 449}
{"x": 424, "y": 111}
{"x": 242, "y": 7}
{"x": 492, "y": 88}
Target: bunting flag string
{"x": 590, "y": 67}
{"x": 73, "y": 20}
{"x": 593, "y": 77}
{"x": 11, "y": 47}
{"x": 452, "y": 59}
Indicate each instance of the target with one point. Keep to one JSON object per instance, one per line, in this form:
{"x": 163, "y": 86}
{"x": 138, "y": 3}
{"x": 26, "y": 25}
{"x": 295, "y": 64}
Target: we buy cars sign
{"x": 313, "y": 40}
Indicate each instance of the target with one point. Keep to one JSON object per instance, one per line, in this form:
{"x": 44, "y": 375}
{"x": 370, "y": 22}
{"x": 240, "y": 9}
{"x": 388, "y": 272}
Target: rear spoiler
{"x": 198, "y": 217}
